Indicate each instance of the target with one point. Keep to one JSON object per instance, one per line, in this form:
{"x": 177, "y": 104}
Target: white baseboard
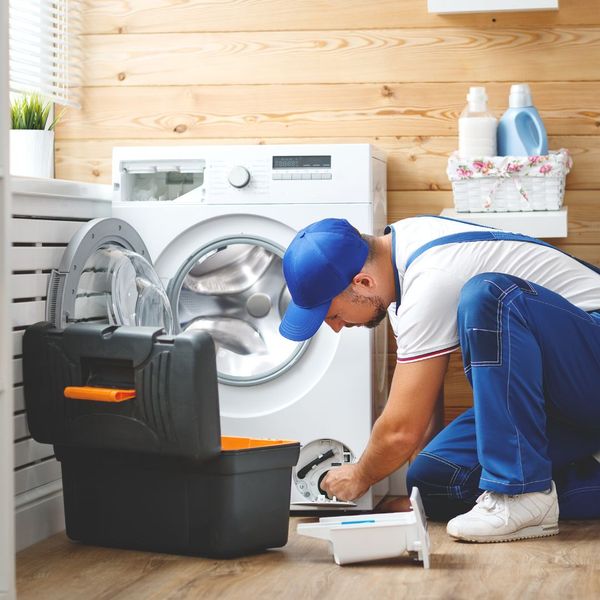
{"x": 39, "y": 514}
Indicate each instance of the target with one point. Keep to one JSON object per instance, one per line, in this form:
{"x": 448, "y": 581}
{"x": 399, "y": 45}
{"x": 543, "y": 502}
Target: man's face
{"x": 351, "y": 309}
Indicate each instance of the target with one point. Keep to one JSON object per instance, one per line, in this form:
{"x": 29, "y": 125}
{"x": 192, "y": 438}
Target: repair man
{"x": 526, "y": 317}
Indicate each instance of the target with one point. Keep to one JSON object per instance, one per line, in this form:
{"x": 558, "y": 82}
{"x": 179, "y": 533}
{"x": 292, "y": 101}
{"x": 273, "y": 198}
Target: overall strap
{"x": 490, "y": 236}
{"x": 457, "y": 221}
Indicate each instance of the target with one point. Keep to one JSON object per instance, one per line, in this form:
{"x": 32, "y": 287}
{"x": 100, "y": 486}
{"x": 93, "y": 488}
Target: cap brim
{"x": 299, "y": 324}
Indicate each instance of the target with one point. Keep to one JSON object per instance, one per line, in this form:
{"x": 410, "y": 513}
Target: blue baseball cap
{"x": 319, "y": 264}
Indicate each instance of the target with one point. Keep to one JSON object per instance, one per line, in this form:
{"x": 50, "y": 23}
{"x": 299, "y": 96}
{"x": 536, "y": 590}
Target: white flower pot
{"x": 32, "y": 153}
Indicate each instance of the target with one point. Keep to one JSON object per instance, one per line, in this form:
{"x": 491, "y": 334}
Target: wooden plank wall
{"x": 384, "y": 71}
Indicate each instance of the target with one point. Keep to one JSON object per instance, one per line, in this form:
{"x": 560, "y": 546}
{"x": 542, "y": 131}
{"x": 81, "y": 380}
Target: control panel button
{"x": 304, "y": 175}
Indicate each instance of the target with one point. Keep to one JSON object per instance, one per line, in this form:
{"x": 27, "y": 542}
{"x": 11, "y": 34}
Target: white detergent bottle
{"x": 477, "y": 127}
{"x": 521, "y": 131}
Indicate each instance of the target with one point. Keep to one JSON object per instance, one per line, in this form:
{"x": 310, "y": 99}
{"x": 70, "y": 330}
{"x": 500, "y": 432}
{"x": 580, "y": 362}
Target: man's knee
{"x": 421, "y": 475}
{"x": 420, "y": 472}
{"x": 446, "y": 489}
{"x": 429, "y": 472}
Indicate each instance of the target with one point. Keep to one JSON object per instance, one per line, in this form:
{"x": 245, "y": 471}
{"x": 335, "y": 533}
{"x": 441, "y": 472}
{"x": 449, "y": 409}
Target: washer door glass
{"x": 122, "y": 287}
{"x": 235, "y": 291}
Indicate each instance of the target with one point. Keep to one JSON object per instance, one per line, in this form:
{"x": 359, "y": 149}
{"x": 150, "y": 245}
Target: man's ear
{"x": 364, "y": 281}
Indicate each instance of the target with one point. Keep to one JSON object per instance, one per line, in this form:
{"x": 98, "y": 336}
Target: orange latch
{"x": 98, "y": 394}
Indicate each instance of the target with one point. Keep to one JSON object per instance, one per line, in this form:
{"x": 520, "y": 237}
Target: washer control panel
{"x": 301, "y": 167}
{"x": 258, "y": 174}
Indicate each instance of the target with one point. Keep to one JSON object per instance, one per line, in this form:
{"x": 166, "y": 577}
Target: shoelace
{"x": 489, "y": 501}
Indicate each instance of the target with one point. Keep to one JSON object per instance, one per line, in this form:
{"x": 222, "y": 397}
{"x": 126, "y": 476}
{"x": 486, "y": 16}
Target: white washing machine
{"x": 215, "y": 221}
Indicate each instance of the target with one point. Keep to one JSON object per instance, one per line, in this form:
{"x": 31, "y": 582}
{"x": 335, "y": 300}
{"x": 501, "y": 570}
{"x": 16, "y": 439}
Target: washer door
{"x": 234, "y": 289}
{"x": 105, "y": 277}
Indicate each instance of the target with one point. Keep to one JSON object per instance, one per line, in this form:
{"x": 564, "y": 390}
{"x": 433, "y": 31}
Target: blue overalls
{"x": 533, "y": 361}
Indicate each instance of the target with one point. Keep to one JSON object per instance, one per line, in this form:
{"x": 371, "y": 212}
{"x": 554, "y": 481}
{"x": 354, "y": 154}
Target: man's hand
{"x": 346, "y": 482}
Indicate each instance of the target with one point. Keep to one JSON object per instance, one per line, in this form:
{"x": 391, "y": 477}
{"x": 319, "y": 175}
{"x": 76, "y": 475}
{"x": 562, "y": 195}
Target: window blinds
{"x": 45, "y": 49}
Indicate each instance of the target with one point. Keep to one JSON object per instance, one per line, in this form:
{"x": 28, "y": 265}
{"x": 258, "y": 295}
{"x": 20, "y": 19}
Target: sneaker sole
{"x": 537, "y": 531}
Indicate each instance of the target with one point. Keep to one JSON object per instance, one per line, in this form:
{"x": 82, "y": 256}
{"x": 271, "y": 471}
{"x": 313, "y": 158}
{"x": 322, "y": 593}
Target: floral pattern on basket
{"x": 501, "y": 170}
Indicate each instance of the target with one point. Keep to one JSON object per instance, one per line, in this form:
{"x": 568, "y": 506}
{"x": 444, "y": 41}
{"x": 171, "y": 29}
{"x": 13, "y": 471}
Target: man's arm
{"x": 397, "y": 432}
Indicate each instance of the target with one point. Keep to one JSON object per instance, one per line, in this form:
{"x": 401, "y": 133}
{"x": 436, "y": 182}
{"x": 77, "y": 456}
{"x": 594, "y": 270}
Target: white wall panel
{"x": 33, "y": 476}
{"x": 45, "y": 231}
{"x": 19, "y": 401}
{"x": 17, "y": 342}
{"x": 46, "y": 215}
{"x": 20, "y": 430}
{"x": 23, "y": 258}
{"x": 29, "y": 285}
{"x": 17, "y": 365}
{"x": 28, "y": 451}
{"x": 26, "y": 313}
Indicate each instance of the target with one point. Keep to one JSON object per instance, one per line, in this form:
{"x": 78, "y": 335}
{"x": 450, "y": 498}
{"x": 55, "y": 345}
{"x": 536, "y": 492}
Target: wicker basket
{"x": 509, "y": 183}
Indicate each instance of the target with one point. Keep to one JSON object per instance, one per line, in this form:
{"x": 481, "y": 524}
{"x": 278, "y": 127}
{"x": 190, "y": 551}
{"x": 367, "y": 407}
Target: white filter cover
{"x": 367, "y": 537}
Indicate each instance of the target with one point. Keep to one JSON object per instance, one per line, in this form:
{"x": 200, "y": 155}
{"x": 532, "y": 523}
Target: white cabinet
{"x": 47, "y": 214}
{"x": 7, "y": 545}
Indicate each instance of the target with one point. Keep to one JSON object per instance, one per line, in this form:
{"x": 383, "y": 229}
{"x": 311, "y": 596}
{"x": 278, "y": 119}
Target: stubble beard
{"x": 377, "y": 303}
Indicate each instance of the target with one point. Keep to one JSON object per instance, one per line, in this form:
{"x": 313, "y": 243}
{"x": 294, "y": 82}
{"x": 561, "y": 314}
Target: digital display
{"x": 302, "y": 162}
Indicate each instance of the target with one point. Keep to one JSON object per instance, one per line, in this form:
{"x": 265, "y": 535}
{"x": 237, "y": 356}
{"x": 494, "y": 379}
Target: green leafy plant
{"x": 32, "y": 111}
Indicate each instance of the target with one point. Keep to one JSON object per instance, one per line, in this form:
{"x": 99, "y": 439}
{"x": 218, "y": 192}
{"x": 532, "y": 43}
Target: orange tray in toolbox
{"x": 229, "y": 443}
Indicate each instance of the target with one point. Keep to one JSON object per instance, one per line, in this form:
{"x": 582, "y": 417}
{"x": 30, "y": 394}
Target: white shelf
{"x": 478, "y": 6}
{"x": 33, "y": 186}
{"x": 540, "y": 224}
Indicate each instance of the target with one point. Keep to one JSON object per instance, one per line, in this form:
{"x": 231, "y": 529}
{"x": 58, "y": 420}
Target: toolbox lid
{"x": 122, "y": 389}
{"x": 105, "y": 276}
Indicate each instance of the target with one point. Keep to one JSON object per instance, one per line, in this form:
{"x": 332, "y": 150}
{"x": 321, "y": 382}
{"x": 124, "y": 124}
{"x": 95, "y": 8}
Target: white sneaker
{"x": 501, "y": 518}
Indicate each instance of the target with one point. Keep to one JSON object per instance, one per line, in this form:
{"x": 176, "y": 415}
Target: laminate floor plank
{"x": 565, "y": 566}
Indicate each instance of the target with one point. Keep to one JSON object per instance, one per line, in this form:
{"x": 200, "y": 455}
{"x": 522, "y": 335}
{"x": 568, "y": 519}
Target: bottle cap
{"x": 476, "y": 93}
{"x": 477, "y": 99}
{"x": 520, "y": 96}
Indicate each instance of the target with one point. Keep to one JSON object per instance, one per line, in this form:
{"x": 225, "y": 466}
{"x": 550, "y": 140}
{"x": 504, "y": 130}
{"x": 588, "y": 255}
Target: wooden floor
{"x": 566, "y": 566}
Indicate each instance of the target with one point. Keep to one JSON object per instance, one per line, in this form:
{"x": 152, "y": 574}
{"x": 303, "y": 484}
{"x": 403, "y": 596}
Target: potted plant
{"x": 32, "y": 136}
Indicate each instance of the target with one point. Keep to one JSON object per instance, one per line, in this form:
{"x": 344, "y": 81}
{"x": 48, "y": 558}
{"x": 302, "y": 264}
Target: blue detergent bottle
{"x": 521, "y": 131}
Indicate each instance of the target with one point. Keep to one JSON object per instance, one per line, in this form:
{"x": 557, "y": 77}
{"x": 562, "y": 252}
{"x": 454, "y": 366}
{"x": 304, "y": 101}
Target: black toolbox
{"x": 134, "y": 419}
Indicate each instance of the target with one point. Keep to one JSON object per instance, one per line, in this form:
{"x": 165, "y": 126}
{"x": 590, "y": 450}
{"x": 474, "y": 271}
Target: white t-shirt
{"x": 425, "y": 322}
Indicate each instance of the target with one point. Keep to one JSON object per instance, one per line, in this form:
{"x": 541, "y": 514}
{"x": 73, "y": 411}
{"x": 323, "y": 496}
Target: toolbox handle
{"x": 98, "y": 394}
